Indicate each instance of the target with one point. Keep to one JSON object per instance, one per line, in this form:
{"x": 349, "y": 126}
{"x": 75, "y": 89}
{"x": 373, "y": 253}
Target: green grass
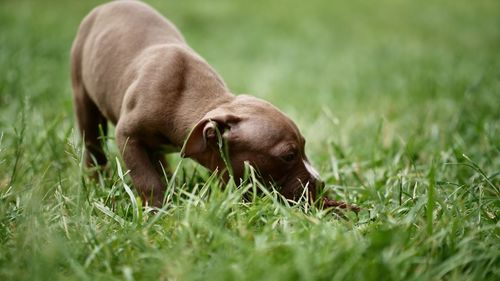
{"x": 399, "y": 102}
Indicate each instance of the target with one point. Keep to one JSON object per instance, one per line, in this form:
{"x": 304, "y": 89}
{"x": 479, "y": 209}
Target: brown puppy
{"x": 132, "y": 67}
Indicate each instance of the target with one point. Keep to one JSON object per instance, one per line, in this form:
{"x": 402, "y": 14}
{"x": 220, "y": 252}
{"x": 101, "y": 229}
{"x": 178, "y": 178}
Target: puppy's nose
{"x": 318, "y": 185}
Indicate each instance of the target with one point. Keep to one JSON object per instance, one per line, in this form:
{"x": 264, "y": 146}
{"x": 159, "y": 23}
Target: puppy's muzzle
{"x": 305, "y": 177}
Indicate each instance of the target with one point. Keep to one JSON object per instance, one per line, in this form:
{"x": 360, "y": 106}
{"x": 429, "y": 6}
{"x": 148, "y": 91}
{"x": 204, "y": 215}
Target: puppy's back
{"x": 109, "y": 39}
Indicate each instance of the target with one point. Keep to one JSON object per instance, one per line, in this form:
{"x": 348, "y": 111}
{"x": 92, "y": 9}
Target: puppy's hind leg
{"x": 91, "y": 123}
{"x": 89, "y": 118}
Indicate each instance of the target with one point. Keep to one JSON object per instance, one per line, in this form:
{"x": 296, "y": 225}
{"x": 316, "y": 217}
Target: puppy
{"x": 132, "y": 67}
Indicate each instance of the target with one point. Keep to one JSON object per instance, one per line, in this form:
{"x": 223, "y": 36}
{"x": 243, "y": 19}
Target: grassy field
{"x": 398, "y": 100}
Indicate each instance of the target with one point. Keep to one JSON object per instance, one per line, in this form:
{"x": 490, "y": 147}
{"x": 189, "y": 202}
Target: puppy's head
{"x": 258, "y": 133}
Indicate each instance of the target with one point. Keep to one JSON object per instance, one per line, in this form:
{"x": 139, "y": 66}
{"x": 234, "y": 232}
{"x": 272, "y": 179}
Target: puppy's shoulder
{"x": 165, "y": 65}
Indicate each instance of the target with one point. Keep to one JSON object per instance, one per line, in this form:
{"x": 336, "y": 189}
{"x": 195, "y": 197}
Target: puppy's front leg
{"x": 144, "y": 175}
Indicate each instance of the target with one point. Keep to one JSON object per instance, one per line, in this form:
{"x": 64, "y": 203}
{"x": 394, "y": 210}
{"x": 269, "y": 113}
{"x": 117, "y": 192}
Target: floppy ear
{"x": 205, "y": 132}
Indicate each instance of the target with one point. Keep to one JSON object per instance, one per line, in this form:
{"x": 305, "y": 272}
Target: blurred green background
{"x": 399, "y": 103}
{"x": 351, "y": 61}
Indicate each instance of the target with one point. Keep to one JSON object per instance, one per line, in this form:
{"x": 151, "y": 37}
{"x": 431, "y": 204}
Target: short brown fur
{"x": 132, "y": 67}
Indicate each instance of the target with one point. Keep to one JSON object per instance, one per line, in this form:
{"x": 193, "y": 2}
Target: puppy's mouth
{"x": 296, "y": 189}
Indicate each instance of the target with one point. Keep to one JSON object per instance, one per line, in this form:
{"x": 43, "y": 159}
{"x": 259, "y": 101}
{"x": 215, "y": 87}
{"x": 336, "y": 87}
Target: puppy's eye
{"x": 289, "y": 157}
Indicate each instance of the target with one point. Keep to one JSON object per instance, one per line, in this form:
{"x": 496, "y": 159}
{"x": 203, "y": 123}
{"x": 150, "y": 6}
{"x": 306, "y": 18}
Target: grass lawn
{"x": 399, "y": 102}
